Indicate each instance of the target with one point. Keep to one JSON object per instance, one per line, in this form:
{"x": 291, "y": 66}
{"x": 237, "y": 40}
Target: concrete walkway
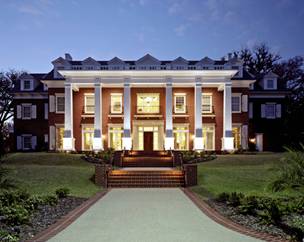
{"x": 146, "y": 215}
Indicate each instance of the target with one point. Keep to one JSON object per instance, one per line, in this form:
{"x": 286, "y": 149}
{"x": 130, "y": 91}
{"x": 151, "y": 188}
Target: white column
{"x": 169, "y": 140}
{"x": 127, "y": 140}
{"x": 227, "y": 140}
{"x": 198, "y": 122}
{"x": 97, "y": 140}
{"x": 68, "y": 139}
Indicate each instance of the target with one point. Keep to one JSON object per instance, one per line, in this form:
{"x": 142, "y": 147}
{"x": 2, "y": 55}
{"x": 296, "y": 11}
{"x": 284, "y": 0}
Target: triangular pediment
{"x": 271, "y": 74}
{"x": 148, "y": 60}
{"x": 206, "y": 61}
{"x": 26, "y": 76}
{"x": 179, "y": 61}
{"x": 116, "y": 61}
{"x": 90, "y": 61}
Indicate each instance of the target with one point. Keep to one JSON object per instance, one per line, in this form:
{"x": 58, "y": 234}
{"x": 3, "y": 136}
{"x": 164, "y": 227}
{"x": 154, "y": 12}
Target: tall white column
{"x": 68, "y": 139}
{"x": 169, "y": 140}
{"x": 97, "y": 140}
{"x": 127, "y": 140}
{"x": 227, "y": 140}
{"x": 198, "y": 121}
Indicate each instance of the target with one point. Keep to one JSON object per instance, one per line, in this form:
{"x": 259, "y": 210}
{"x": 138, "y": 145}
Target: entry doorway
{"x": 148, "y": 141}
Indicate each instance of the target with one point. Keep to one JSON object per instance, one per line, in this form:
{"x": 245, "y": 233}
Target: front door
{"x": 148, "y": 141}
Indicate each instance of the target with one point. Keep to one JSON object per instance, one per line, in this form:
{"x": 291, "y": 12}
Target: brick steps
{"x": 122, "y": 178}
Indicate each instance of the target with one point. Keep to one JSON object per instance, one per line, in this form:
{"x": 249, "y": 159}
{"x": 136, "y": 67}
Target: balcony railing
{"x": 145, "y": 109}
{"x": 115, "y": 109}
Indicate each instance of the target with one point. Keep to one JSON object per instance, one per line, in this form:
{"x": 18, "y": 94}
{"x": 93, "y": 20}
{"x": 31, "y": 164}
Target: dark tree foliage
{"x": 7, "y": 81}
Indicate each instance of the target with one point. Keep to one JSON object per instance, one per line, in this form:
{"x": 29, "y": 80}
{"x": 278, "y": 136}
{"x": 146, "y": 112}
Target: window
{"x": 180, "y": 103}
{"x": 115, "y": 137}
{"x": 236, "y": 132}
{"x": 27, "y": 142}
{"x": 116, "y": 103}
{"x": 87, "y": 138}
{"x": 236, "y": 103}
{"x": 208, "y": 136}
{"x": 207, "y": 103}
{"x": 148, "y": 103}
{"x": 26, "y": 111}
{"x": 59, "y": 137}
{"x": 180, "y": 133}
{"x": 270, "y": 110}
{"x": 89, "y": 103}
{"x": 27, "y": 85}
{"x": 60, "y": 103}
{"x": 270, "y": 84}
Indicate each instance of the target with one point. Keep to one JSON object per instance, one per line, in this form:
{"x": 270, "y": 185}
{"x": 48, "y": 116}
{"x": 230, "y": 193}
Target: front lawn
{"x": 41, "y": 173}
{"x": 248, "y": 174}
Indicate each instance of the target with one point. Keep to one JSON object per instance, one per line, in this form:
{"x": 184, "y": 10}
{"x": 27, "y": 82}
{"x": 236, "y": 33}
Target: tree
{"x": 7, "y": 81}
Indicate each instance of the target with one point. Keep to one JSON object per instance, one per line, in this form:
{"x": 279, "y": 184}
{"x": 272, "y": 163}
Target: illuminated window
{"x": 89, "y": 103}
{"x": 236, "y": 132}
{"x": 87, "y": 137}
{"x": 207, "y": 103}
{"x": 148, "y": 103}
{"x": 208, "y": 136}
{"x": 115, "y": 138}
{"x": 180, "y": 103}
{"x": 116, "y": 103}
{"x": 181, "y": 133}
{"x": 59, "y": 138}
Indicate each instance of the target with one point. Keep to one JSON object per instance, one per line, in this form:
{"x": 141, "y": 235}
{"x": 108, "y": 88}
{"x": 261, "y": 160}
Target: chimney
{"x": 229, "y": 56}
{"x": 68, "y": 57}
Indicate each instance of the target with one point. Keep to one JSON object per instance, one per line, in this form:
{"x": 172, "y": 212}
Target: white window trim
{"x": 275, "y": 107}
{"x": 113, "y": 126}
{"x": 274, "y": 84}
{"x": 22, "y": 141}
{"x": 26, "y": 105}
{"x": 185, "y": 102}
{"x": 112, "y": 110}
{"x": 31, "y": 85}
{"x": 82, "y": 134}
{"x": 213, "y": 142}
{"x": 211, "y": 101}
{"x": 182, "y": 131}
{"x": 85, "y": 102}
{"x": 56, "y": 97}
{"x": 239, "y": 95}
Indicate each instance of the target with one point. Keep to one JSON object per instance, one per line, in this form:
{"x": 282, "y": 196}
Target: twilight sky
{"x": 35, "y": 32}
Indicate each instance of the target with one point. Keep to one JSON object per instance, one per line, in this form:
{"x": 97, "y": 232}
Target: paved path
{"x": 146, "y": 215}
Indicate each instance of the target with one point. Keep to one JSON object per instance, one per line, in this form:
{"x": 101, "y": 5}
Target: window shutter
{"x": 34, "y": 142}
{"x": 52, "y": 103}
{"x": 46, "y": 111}
{"x": 19, "y": 143}
{"x": 244, "y": 136}
{"x": 18, "y": 111}
{"x": 34, "y": 111}
{"x": 250, "y": 110}
{"x": 278, "y": 111}
{"x": 263, "y": 111}
{"x": 245, "y": 103}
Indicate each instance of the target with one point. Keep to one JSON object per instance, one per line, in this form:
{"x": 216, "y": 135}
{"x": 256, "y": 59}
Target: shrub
{"x": 62, "y": 192}
{"x": 7, "y": 237}
{"x": 235, "y": 199}
{"x": 5, "y": 182}
{"x": 291, "y": 171}
{"x": 223, "y": 197}
{"x": 15, "y": 215}
{"x": 271, "y": 214}
{"x": 8, "y": 198}
{"x": 50, "y": 199}
{"x": 249, "y": 205}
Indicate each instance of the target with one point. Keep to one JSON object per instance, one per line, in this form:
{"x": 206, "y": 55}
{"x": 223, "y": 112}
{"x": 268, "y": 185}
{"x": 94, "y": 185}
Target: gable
{"x": 116, "y": 61}
{"x": 148, "y": 60}
{"x": 90, "y": 61}
{"x": 179, "y": 61}
{"x": 205, "y": 61}
{"x": 59, "y": 61}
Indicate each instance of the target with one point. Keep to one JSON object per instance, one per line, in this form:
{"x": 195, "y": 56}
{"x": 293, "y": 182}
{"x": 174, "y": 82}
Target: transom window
{"x": 60, "y": 104}
{"x": 116, "y": 103}
{"x": 236, "y": 103}
{"x": 148, "y": 103}
{"x": 270, "y": 110}
{"x": 180, "y": 103}
{"x": 207, "y": 103}
{"x": 26, "y": 111}
{"x": 89, "y": 103}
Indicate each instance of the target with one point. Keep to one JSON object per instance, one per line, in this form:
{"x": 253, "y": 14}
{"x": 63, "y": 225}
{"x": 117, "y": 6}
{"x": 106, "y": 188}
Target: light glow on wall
{"x": 228, "y": 143}
{"x": 127, "y": 143}
{"x": 97, "y": 144}
{"x": 68, "y": 144}
{"x": 169, "y": 143}
{"x": 198, "y": 143}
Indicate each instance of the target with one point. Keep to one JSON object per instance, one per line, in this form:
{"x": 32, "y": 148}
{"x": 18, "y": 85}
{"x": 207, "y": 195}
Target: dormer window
{"x": 270, "y": 84}
{"x": 27, "y": 85}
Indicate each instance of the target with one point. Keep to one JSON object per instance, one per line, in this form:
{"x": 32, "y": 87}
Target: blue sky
{"x": 35, "y": 32}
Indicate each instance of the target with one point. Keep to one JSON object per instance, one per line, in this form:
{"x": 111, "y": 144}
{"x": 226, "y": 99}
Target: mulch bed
{"x": 42, "y": 218}
{"x": 248, "y": 221}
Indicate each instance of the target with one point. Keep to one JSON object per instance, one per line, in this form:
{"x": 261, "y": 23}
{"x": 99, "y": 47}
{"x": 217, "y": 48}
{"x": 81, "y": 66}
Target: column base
{"x": 198, "y": 144}
{"x": 127, "y": 143}
{"x": 169, "y": 143}
{"x": 68, "y": 144}
{"x": 228, "y": 143}
{"x": 97, "y": 144}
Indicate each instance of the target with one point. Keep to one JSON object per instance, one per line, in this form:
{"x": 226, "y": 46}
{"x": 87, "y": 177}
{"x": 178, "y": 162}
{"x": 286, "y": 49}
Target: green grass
{"x": 249, "y": 174}
{"x": 42, "y": 173}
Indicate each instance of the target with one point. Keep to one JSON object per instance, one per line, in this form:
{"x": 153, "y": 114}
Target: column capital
{"x": 98, "y": 84}
{"x": 198, "y": 80}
